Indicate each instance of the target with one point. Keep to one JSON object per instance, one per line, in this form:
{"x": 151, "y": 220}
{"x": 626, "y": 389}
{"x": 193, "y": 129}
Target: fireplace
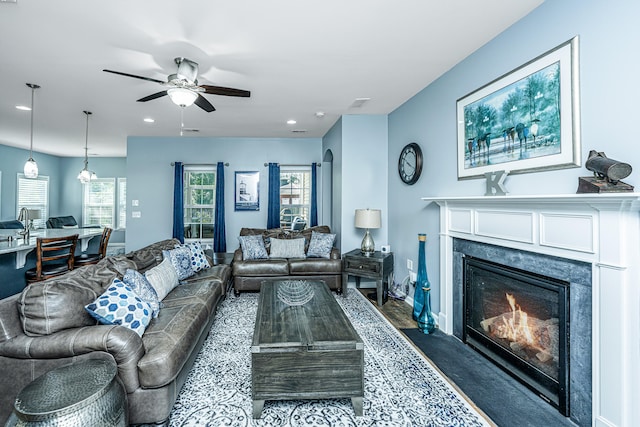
{"x": 588, "y": 240}
{"x": 519, "y": 320}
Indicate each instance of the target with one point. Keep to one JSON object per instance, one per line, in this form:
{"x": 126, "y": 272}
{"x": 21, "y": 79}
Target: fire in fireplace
{"x": 520, "y": 321}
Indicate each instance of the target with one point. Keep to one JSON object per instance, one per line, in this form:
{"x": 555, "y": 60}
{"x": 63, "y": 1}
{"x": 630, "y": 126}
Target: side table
{"x": 378, "y": 266}
{"x": 82, "y": 394}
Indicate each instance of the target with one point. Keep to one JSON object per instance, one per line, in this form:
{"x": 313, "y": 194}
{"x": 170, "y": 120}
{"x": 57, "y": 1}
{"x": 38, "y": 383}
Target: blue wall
{"x": 12, "y": 162}
{"x": 65, "y": 198}
{"x": 608, "y": 68}
{"x": 150, "y": 178}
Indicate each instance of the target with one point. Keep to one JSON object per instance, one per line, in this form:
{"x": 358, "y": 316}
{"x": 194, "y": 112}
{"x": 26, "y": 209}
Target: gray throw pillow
{"x": 287, "y": 248}
{"x": 253, "y": 247}
{"x": 163, "y": 278}
{"x": 320, "y": 245}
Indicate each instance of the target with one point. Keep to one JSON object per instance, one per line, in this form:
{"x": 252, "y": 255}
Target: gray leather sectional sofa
{"x": 46, "y": 327}
{"x": 249, "y": 274}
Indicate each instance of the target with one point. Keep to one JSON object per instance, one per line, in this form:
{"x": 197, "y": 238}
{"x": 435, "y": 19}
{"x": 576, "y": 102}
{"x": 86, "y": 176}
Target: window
{"x": 295, "y": 195}
{"x": 33, "y": 194}
{"x": 104, "y": 203}
{"x": 122, "y": 203}
{"x": 98, "y": 203}
{"x": 199, "y": 204}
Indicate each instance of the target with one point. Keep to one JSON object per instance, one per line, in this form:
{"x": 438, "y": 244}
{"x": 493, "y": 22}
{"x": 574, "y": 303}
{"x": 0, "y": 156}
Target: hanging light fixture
{"x": 85, "y": 175}
{"x": 31, "y": 167}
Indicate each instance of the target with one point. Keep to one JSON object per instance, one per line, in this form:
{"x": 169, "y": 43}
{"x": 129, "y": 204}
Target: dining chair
{"x": 54, "y": 256}
{"x": 93, "y": 258}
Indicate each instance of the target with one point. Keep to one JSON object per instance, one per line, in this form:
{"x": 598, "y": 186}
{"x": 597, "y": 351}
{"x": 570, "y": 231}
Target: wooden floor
{"x": 396, "y": 312}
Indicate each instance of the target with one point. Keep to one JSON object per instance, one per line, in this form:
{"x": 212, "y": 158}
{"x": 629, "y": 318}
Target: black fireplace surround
{"x": 564, "y": 290}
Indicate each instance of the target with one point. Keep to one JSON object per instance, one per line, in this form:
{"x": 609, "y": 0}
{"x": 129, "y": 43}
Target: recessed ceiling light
{"x": 23, "y": 107}
{"x": 320, "y": 114}
{"x": 291, "y": 122}
{"x": 149, "y": 120}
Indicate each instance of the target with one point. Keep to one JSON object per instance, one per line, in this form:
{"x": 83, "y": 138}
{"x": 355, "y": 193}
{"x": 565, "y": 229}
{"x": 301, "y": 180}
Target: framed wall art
{"x": 247, "y": 196}
{"x": 525, "y": 121}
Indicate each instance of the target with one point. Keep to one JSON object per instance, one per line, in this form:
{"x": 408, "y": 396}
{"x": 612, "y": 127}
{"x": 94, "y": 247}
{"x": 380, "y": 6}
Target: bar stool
{"x": 54, "y": 257}
{"x": 87, "y": 259}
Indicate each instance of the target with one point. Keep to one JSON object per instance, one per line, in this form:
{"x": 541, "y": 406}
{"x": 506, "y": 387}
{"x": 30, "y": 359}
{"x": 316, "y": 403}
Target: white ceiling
{"x": 297, "y": 57}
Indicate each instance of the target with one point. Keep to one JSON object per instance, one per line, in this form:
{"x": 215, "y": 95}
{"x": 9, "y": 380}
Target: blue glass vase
{"x": 426, "y": 322}
{"x": 422, "y": 294}
{"x": 421, "y": 279}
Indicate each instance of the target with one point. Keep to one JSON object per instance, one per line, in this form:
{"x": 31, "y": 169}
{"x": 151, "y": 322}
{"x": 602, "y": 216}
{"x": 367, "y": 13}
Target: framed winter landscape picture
{"x": 525, "y": 121}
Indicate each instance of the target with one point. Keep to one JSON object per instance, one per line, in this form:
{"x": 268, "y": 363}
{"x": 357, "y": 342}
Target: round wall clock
{"x": 410, "y": 163}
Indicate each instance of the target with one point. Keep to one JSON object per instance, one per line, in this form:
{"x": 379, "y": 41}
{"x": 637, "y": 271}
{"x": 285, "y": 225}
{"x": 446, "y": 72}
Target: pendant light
{"x": 85, "y": 175}
{"x": 31, "y": 167}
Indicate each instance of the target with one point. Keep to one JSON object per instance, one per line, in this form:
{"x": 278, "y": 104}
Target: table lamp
{"x": 368, "y": 219}
{"x": 33, "y": 214}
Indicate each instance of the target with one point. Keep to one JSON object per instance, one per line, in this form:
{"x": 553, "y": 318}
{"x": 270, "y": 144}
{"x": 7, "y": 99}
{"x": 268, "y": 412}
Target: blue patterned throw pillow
{"x": 198, "y": 259}
{"x": 253, "y": 247}
{"x": 320, "y": 245}
{"x": 180, "y": 258}
{"x": 119, "y": 305}
{"x": 141, "y": 287}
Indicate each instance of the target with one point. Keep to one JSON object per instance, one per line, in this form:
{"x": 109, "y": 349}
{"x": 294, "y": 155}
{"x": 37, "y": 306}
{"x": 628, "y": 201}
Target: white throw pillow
{"x": 163, "y": 278}
{"x": 287, "y": 248}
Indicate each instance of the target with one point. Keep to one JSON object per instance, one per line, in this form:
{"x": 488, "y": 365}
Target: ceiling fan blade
{"x": 134, "y": 76}
{"x": 226, "y": 91}
{"x": 154, "y": 96}
{"x": 204, "y": 104}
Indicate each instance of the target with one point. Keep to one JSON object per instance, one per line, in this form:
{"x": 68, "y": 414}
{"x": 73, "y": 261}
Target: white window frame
{"x": 302, "y": 208}
{"x": 121, "y": 196}
{"x": 205, "y": 241}
{"x": 111, "y": 204}
{"x": 42, "y": 207}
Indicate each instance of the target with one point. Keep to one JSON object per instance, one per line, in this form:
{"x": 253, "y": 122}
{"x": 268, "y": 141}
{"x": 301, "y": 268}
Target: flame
{"x": 517, "y": 326}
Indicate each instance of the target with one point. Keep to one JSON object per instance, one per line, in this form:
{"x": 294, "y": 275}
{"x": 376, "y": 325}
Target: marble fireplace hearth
{"x": 590, "y": 240}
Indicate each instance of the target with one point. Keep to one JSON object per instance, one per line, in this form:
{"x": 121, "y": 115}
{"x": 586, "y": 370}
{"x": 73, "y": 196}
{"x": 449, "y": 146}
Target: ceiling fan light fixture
{"x": 31, "y": 167}
{"x": 182, "y": 97}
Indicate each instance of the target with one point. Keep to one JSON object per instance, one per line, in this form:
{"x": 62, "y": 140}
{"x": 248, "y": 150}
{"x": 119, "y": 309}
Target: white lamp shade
{"x": 368, "y": 218}
{"x": 31, "y": 168}
{"x": 182, "y": 97}
{"x": 84, "y": 176}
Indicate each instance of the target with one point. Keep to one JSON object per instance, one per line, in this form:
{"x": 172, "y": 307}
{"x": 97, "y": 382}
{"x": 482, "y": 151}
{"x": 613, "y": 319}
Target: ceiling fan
{"x": 183, "y": 87}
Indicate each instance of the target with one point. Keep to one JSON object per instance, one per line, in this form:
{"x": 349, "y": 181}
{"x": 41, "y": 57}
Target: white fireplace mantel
{"x": 601, "y": 229}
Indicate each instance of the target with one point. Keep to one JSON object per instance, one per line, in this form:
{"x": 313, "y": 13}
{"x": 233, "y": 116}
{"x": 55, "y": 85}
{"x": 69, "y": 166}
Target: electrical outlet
{"x": 135, "y": 202}
{"x": 135, "y": 214}
{"x": 412, "y": 277}
{"x": 409, "y": 264}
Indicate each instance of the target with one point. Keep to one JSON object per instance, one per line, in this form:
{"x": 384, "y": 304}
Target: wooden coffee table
{"x": 308, "y": 351}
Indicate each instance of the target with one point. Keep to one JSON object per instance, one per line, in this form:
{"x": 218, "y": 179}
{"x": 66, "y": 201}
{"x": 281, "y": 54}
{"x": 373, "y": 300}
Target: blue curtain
{"x": 273, "y": 210}
{"x": 313, "y": 221}
{"x": 178, "y": 205}
{"x": 219, "y": 231}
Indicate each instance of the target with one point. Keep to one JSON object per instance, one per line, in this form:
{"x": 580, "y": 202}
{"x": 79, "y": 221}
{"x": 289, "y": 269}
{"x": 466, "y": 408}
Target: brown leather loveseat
{"x": 248, "y": 274}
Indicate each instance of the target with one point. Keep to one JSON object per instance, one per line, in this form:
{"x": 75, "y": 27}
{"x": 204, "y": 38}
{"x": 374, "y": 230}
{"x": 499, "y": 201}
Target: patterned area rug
{"x": 401, "y": 387}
